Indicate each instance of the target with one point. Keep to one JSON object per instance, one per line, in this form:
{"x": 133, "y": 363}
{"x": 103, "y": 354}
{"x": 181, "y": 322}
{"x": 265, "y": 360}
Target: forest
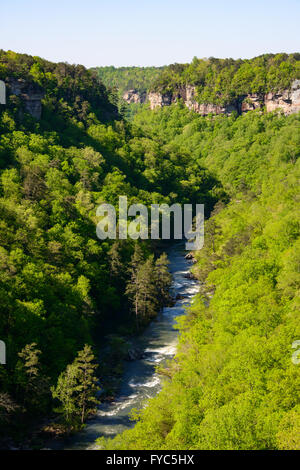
{"x": 128, "y": 78}
{"x": 217, "y": 81}
{"x": 221, "y": 81}
{"x": 232, "y": 384}
{"x": 60, "y": 286}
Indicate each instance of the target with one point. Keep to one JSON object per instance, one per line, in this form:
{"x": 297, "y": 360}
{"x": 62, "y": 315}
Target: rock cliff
{"x": 287, "y": 100}
{"x": 30, "y": 94}
{"x": 134, "y": 96}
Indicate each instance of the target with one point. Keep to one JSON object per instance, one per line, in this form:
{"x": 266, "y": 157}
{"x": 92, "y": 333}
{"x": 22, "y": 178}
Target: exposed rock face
{"x": 187, "y": 94}
{"x": 209, "y": 108}
{"x": 287, "y": 100}
{"x": 159, "y": 100}
{"x": 30, "y": 93}
{"x": 133, "y": 96}
{"x": 190, "y": 97}
{"x": 250, "y": 102}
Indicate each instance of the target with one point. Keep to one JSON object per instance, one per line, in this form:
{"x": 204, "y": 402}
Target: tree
{"x": 164, "y": 279}
{"x": 133, "y": 287}
{"x": 32, "y": 385}
{"x": 7, "y": 408}
{"x": 87, "y": 382}
{"x": 65, "y": 392}
{"x": 77, "y": 387}
{"x": 116, "y": 263}
{"x": 141, "y": 287}
{"x": 147, "y": 288}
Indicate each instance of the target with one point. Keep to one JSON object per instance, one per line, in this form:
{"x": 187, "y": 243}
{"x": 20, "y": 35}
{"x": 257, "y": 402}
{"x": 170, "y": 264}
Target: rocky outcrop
{"x": 134, "y": 96}
{"x": 30, "y": 93}
{"x": 187, "y": 94}
{"x": 250, "y": 102}
{"x": 288, "y": 101}
{"x": 159, "y": 100}
{"x": 209, "y": 108}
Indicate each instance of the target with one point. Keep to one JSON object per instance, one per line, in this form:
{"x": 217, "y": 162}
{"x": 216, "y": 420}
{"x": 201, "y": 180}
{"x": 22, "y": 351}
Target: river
{"x": 140, "y": 380}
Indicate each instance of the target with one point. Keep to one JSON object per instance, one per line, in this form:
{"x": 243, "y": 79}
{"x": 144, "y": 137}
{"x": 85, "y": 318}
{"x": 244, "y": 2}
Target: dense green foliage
{"x": 128, "y": 78}
{"x": 71, "y": 90}
{"x": 58, "y": 286}
{"x": 148, "y": 285}
{"x": 77, "y": 387}
{"x": 122, "y": 79}
{"x": 233, "y": 384}
{"x": 221, "y": 81}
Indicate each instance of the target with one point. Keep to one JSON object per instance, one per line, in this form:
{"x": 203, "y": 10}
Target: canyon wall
{"x": 287, "y": 100}
{"x": 134, "y": 96}
{"x": 30, "y": 94}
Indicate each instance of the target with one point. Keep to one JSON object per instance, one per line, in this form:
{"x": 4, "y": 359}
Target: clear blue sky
{"x": 152, "y": 32}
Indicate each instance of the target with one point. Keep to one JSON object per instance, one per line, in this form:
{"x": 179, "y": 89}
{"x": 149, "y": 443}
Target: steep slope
{"x": 234, "y": 383}
{"x": 214, "y": 86}
{"x": 60, "y": 286}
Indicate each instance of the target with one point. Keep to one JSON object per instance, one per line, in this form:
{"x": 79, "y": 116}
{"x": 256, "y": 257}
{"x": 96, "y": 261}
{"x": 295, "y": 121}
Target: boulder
{"x": 180, "y": 297}
{"x": 135, "y": 354}
{"x": 189, "y": 275}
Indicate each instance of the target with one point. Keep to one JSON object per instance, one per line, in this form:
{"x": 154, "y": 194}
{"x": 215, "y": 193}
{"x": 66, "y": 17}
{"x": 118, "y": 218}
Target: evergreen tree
{"x": 147, "y": 288}
{"x": 133, "y": 287}
{"x": 164, "y": 280}
{"x": 77, "y": 387}
{"x": 32, "y": 385}
{"x": 116, "y": 263}
{"x": 141, "y": 287}
{"x": 87, "y": 382}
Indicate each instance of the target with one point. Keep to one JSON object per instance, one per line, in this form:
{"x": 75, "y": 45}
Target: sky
{"x": 152, "y": 32}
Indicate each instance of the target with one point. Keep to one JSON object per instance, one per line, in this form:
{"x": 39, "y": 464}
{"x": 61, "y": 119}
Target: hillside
{"x": 64, "y": 149}
{"x": 60, "y": 286}
{"x": 216, "y": 86}
{"x": 233, "y": 384}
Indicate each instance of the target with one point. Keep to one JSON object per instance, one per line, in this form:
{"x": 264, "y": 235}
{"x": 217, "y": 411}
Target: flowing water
{"x": 140, "y": 381}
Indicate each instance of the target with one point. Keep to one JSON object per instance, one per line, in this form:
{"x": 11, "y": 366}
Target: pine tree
{"x": 148, "y": 290}
{"x": 32, "y": 386}
{"x": 141, "y": 287}
{"x": 133, "y": 287}
{"x": 117, "y": 265}
{"x": 164, "y": 280}
{"x": 77, "y": 387}
{"x": 87, "y": 382}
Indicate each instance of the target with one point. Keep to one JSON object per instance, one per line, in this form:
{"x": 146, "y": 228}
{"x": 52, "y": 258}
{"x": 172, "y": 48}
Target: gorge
{"x": 78, "y": 313}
